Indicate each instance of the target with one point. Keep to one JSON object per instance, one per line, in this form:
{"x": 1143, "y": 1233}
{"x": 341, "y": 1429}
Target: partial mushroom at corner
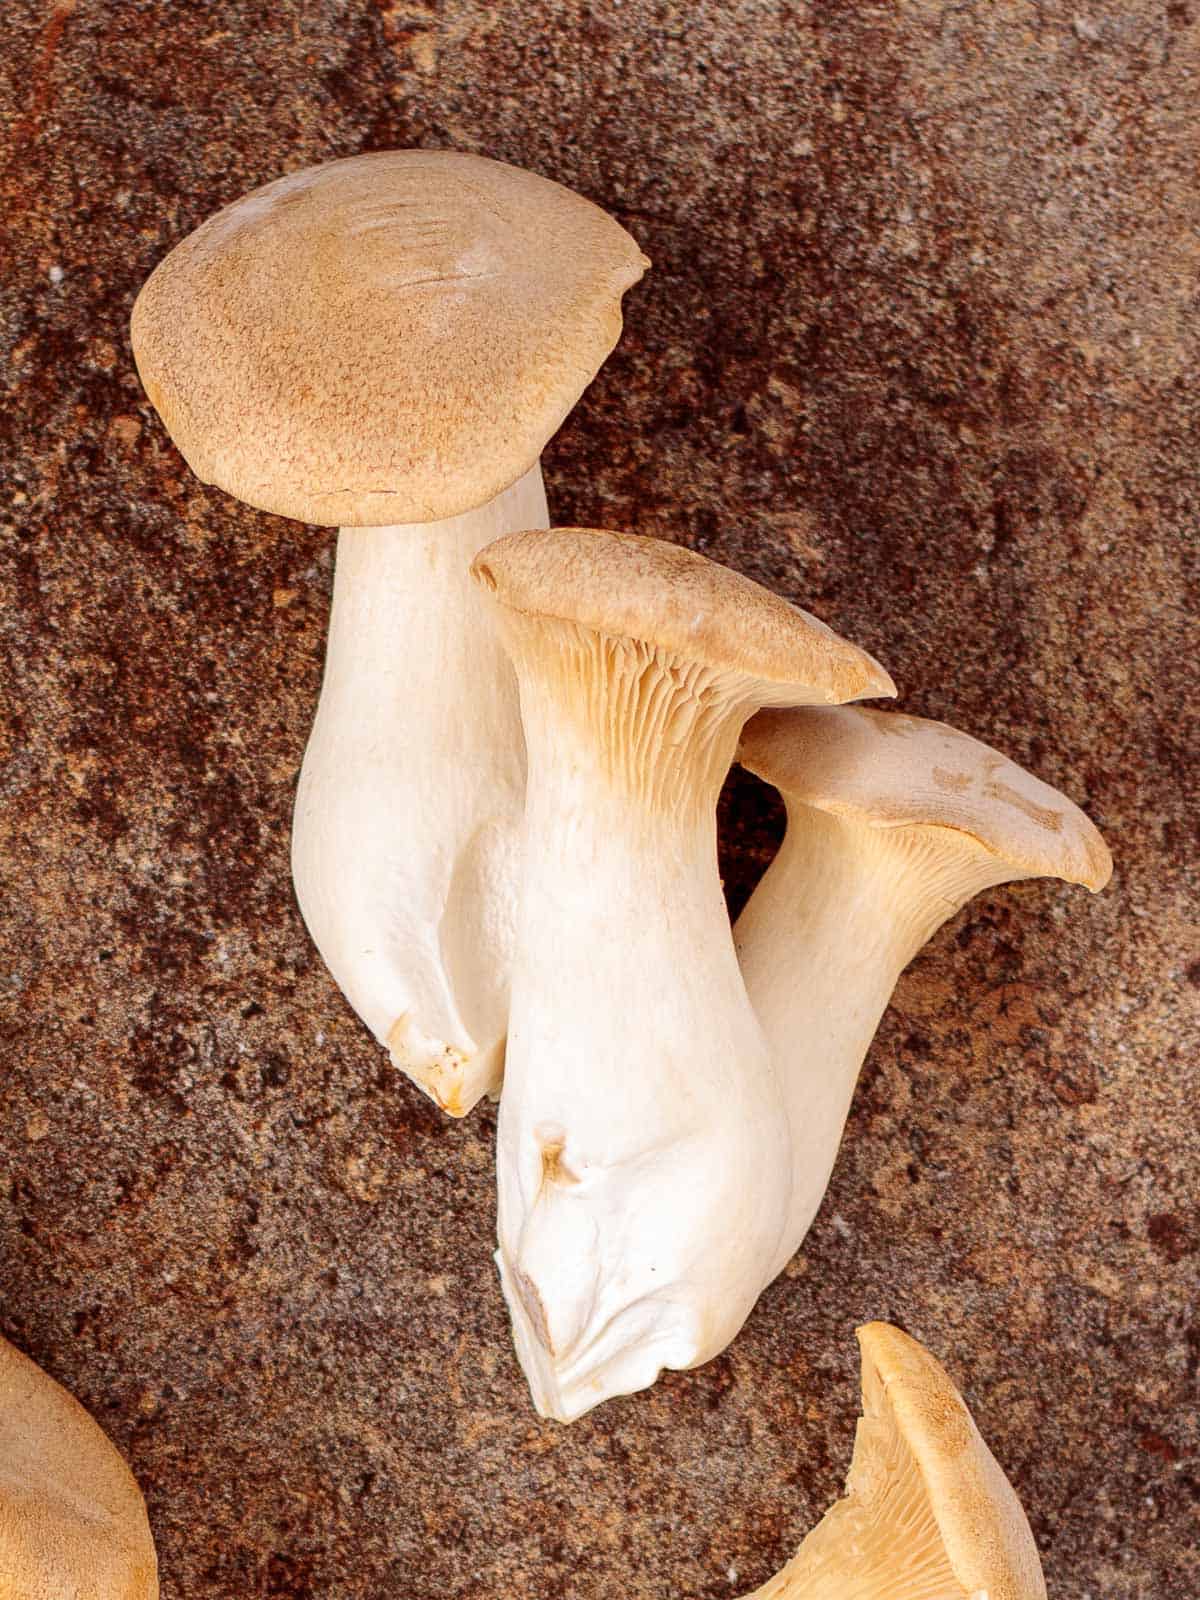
{"x": 928, "y": 1513}
{"x": 72, "y": 1520}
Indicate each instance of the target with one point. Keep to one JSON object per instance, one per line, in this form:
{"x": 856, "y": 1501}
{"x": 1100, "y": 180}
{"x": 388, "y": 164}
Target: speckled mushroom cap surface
{"x": 891, "y": 770}
{"x": 665, "y": 595}
{"x": 390, "y": 338}
{"x": 72, "y": 1519}
{"x": 927, "y": 1510}
{"x": 983, "y": 1527}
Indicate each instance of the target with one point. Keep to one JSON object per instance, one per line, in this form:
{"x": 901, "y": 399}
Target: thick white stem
{"x": 405, "y": 837}
{"x": 839, "y": 914}
{"x": 644, "y": 1155}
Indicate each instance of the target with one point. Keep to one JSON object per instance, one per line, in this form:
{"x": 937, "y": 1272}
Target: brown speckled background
{"x": 920, "y": 351}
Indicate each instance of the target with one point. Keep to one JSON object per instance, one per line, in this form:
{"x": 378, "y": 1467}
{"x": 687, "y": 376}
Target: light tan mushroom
{"x": 928, "y": 1514}
{"x": 72, "y": 1521}
{"x": 894, "y": 823}
{"x": 387, "y": 343}
{"x": 644, "y": 1155}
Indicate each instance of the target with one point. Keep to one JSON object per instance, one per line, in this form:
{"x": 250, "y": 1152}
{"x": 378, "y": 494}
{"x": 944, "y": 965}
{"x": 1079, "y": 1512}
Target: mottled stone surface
{"x": 919, "y": 350}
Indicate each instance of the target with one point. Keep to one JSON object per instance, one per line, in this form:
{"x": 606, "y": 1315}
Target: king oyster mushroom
{"x": 644, "y": 1160}
{"x": 928, "y": 1513}
{"x": 72, "y": 1520}
{"x": 386, "y": 344}
{"x": 894, "y": 823}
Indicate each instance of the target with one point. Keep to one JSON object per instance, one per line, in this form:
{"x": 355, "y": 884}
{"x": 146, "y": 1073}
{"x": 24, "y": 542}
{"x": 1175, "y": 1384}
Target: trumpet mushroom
{"x": 894, "y": 823}
{"x": 72, "y": 1520}
{"x": 386, "y": 344}
{"x": 928, "y": 1513}
{"x": 644, "y": 1157}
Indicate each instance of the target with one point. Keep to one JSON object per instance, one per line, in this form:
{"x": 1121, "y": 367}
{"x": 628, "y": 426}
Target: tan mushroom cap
{"x": 72, "y": 1519}
{"x": 985, "y": 1531}
{"x": 664, "y": 595}
{"x": 927, "y": 1509}
{"x": 895, "y": 771}
{"x": 389, "y": 338}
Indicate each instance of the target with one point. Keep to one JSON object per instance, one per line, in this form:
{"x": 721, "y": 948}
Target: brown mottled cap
{"x": 391, "y": 338}
{"x": 895, "y": 771}
{"x": 72, "y": 1520}
{"x": 664, "y": 595}
{"x": 985, "y": 1532}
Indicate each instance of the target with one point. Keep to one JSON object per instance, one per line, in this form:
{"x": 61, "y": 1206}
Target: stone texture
{"x": 919, "y": 350}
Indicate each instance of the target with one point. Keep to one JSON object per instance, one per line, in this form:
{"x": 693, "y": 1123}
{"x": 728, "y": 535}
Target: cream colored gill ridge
{"x": 927, "y": 1512}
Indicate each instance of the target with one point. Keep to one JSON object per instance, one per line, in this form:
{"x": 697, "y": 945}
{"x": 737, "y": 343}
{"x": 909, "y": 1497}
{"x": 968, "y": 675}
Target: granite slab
{"x": 918, "y": 350}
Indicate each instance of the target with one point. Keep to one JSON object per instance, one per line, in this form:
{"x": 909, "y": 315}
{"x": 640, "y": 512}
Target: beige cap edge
{"x": 826, "y": 758}
{"x": 984, "y": 1527}
{"x": 664, "y": 594}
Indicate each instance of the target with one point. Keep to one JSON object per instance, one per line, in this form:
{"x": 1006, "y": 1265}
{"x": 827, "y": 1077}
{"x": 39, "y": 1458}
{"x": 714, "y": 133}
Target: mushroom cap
{"x": 72, "y": 1519}
{"x": 985, "y": 1532}
{"x": 927, "y": 1510}
{"x": 894, "y": 771}
{"x": 628, "y": 586}
{"x": 390, "y": 338}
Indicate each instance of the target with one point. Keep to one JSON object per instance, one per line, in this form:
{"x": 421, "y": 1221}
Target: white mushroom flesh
{"x": 406, "y": 831}
{"x": 840, "y": 913}
{"x": 644, "y": 1153}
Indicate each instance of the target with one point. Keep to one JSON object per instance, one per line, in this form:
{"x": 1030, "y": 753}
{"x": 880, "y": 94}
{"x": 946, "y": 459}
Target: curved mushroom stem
{"x": 839, "y": 914}
{"x": 405, "y": 836}
{"x": 644, "y": 1158}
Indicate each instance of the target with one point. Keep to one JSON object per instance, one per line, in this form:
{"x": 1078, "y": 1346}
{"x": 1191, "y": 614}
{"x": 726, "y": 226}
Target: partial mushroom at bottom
{"x": 928, "y": 1513}
{"x": 72, "y": 1521}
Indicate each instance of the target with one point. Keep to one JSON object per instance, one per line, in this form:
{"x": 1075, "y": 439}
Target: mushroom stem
{"x": 637, "y": 1210}
{"x": 644, "y": 1160}
{"x": 840, "y": 913}
{"x": 404, "y": 845}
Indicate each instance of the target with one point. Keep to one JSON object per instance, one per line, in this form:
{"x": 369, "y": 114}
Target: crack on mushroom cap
{"x": 421, "y": 320}
{"x": 888, "y": 770}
